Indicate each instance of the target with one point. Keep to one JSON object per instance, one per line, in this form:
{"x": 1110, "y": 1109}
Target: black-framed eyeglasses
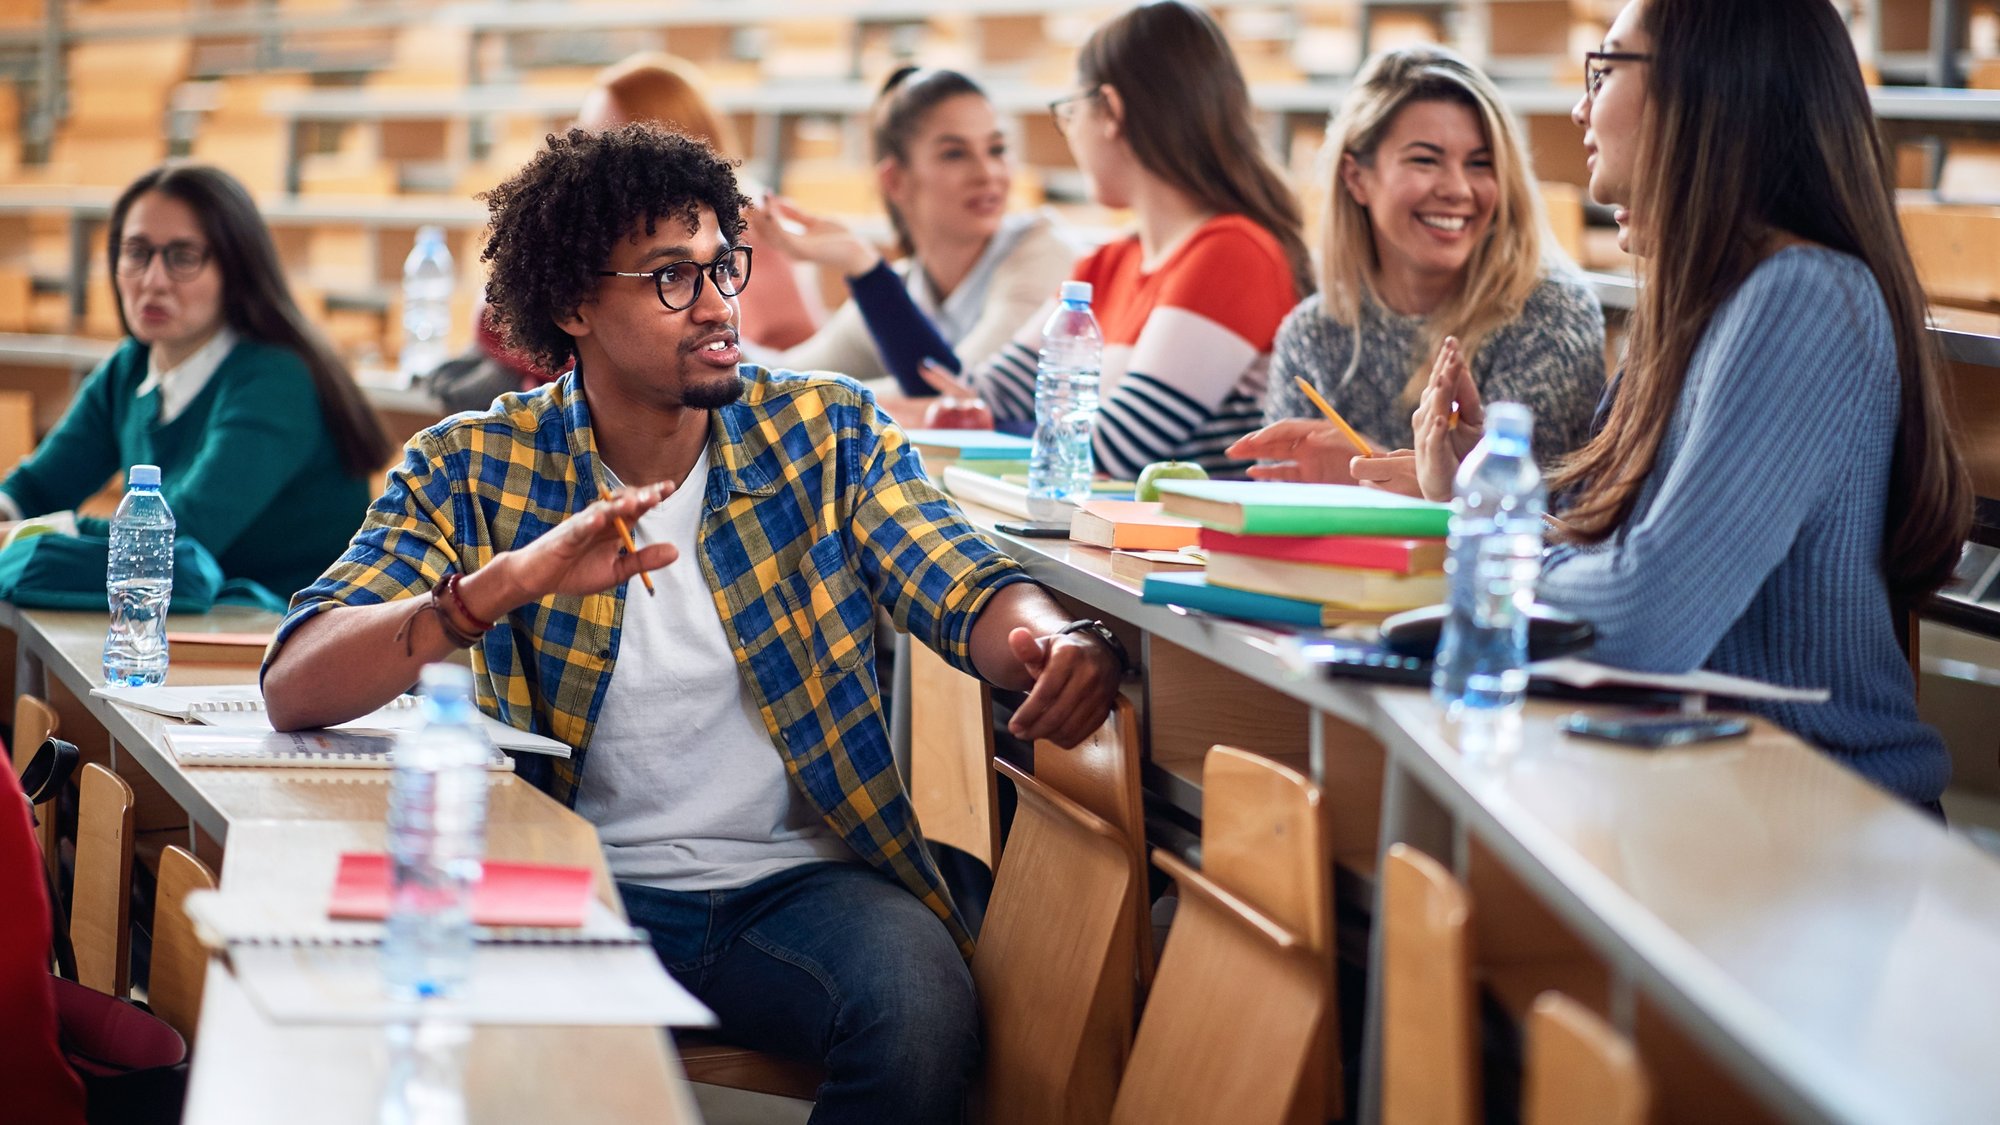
{"x": 679, "y": 283}
{"x": 1593, "y": 74}
{"x": 1064, "y": 109}
{"x": 183, "y": 260}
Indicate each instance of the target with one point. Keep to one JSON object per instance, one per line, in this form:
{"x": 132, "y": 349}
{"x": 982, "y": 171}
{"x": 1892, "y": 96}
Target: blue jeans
{"x": 830, "y": 962}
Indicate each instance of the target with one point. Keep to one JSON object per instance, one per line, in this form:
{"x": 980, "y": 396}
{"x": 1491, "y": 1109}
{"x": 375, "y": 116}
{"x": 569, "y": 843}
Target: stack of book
{"x": 1311, "y": 555}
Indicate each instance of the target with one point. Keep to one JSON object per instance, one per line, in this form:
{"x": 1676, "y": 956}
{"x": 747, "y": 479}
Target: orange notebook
{"x": 509, "y": 894}
{"x": 1131, "y": 525}
{"x": 192, "y": 647}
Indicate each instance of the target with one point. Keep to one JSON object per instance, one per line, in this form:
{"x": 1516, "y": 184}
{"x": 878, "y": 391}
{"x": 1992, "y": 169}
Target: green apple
{"x": 1151, "y": 476}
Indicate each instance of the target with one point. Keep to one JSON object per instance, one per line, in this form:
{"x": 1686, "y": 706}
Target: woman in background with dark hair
{"x": 268, "y": 454}
{"x": 1189, "y": 304}
{"x": 1775, "y": 486}
{"x": 944, "y": 170}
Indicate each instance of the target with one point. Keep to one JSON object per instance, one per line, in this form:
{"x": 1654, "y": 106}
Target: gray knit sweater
{"x": 1551, "y": 357}
{"x": 1754, "y": 547}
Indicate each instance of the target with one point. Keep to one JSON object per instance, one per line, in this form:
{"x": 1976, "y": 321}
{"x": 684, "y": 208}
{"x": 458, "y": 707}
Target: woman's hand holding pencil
{"x": 1322, "y": 450}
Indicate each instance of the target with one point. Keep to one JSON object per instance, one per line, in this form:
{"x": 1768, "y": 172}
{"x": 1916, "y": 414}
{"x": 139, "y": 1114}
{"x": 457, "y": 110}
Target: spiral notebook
{"x": 298, "y": 966}
{"x": 241, "y": 707}
{"x": 342, "y": 749}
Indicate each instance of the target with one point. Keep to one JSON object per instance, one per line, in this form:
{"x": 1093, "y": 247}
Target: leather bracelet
{"x": 1109, "y": 639}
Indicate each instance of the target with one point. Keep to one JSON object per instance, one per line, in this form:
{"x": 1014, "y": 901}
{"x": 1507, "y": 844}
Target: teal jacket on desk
{"x": 249, "y": 467}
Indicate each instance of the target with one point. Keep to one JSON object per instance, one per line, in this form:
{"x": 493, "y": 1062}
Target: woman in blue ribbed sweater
{"x": 1775, "y": 486}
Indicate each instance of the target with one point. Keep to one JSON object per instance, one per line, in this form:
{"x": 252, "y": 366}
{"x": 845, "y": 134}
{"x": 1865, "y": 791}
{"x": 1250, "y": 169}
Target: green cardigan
{"x": 248, "y": 468}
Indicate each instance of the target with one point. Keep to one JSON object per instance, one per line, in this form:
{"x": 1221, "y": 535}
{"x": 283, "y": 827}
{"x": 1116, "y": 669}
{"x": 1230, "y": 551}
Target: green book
{"x": 1255, "y": 507}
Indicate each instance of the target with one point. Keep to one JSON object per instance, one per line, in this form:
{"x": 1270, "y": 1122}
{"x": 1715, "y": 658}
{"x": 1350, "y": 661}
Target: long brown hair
{"x": 256, "y": 301}
{"x": 1188, "y": 119}
{"x": 1757, "y": 123}
{"x": 1507, "y": 265}
{"x": 908, "y": 96}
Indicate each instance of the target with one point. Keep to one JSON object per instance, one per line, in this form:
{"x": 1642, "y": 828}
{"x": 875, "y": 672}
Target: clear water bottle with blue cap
{"x": 427, "y": 285}
{"x": 139, "y": 582}
{"x": 1061, "y": 463}
{"x": 1493, "y": 557}
{"x": 437, "y": 840}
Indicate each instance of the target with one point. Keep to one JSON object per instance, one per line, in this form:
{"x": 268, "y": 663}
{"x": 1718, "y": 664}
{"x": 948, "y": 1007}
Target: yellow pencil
{"x": 1333, "y": 416}
{"x": 631, "y": 545}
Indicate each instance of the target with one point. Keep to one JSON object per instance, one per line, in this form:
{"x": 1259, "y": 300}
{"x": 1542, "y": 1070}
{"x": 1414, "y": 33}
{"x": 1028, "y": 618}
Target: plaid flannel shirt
{"x": 816, "y": 510}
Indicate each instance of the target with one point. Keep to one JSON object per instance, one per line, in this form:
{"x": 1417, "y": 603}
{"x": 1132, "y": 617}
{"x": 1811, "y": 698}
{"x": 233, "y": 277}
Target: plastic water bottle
{"x": 437, "y": 838}
{"x": 427, "y": 281}
{"x": 139, "y": 581}
{"x": 1493, "y": 558}
{"x": 1061, "y": 464}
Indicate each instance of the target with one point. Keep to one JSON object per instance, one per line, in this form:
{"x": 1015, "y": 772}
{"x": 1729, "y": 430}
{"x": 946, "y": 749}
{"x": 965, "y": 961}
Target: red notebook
{"x": 509, "y": 894}
{"x": 1368, "y": 552}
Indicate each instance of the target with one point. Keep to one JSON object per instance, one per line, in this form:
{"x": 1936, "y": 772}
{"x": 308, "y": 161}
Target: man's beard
{"x": 703, "y": 393}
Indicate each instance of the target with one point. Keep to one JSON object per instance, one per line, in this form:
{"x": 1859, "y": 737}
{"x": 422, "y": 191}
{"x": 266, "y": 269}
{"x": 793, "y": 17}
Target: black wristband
{"x": 1110, "y": 640}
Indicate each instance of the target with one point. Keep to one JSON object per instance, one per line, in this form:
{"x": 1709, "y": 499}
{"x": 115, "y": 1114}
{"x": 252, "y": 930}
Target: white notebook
{"x": 241, "y": 706}
{"x": 299, "y": 967}
{"x": 247, "y": 746}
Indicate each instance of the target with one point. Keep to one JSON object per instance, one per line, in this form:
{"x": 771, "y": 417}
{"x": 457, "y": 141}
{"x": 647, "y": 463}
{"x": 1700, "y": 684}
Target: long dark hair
{"x": 1758, "y": 122}
{"x": 1188, "y": 118}
{"x": 256, "y": 301}
{"x": 907, "y": 98}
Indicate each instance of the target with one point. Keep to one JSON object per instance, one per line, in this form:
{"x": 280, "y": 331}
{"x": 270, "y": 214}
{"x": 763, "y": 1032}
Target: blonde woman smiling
{"x": 1433, "y": 230}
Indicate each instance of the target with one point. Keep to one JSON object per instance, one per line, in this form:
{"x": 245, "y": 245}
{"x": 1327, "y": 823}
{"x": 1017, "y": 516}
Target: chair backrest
{"x": 179, "y": 961}
{"x": 1264, "y": 838}
{"x": 1430, "y": 1032}
{"x": 951, "y": 746}
{"x": 1578, "y": 1068}
{"x": 1231, "y": 1030}
{"x": 1054, "y": 964}
{"x": 101, "y": 904}
{"x": 1101, "y": 774}
{"x": 35, "y": 720}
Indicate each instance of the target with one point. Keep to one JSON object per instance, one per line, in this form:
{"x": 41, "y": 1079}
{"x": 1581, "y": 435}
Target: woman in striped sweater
{"x": 1190, "y": 303}
{"x": 1776, "y": 486}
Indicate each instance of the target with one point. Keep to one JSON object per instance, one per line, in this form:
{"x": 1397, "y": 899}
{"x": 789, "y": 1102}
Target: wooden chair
{"x": 1430, "y": 1026}
{"x": 1577, "y": 1068}
{"x": 1232, "y": 1029}
{"x": 179, "y": 960}
{"x": 101, "y": 904}
{"x": 1264, "y": 838}
{"x": 951, "y": 744}
{"x": 715, "y": 1063}
{"x": 1054, "y": 966}
{"x": 35, "y": 720}
{"x": 1101, "y": 774}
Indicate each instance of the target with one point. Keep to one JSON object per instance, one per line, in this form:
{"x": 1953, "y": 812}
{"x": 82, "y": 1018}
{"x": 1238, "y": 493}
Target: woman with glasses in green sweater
{"x": 267, "y": 451}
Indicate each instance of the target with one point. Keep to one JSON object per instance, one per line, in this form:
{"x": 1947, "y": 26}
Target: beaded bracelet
{"x": 458, "y": 637}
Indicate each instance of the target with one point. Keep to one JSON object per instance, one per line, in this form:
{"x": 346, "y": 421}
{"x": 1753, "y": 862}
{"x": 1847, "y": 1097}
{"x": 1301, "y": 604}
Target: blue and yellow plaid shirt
{"x": 816, "y": 510}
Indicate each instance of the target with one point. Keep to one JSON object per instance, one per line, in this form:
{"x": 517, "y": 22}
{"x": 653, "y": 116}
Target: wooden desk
{"x": 1830, "y": 948}
{"x": 276, "y": 822}
{"x": 267, "y": 1073}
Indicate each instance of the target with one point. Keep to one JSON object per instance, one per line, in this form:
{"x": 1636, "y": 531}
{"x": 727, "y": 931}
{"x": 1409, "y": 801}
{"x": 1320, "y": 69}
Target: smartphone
{"x": 1033, "y": 530}
{"x": 1654, "y": 731}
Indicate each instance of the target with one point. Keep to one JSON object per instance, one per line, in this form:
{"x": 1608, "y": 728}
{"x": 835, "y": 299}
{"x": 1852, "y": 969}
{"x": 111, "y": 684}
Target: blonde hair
{"x": 1504, "y": 268}
{"x": 666, "y": 90}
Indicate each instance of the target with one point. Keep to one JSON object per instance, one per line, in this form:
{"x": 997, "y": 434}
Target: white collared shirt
{"x": 178, "y": 385}
{"x": 955, "y": 315}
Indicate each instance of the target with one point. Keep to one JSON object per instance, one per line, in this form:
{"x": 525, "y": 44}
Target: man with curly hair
{"x": 729, "y": 738}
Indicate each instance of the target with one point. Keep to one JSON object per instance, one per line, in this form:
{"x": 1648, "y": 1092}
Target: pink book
{"x": 1368, "y": 552}
{"x": 509, "y": 894}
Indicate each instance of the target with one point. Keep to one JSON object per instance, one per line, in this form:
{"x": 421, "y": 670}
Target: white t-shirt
{"x": 683, "y": 782}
